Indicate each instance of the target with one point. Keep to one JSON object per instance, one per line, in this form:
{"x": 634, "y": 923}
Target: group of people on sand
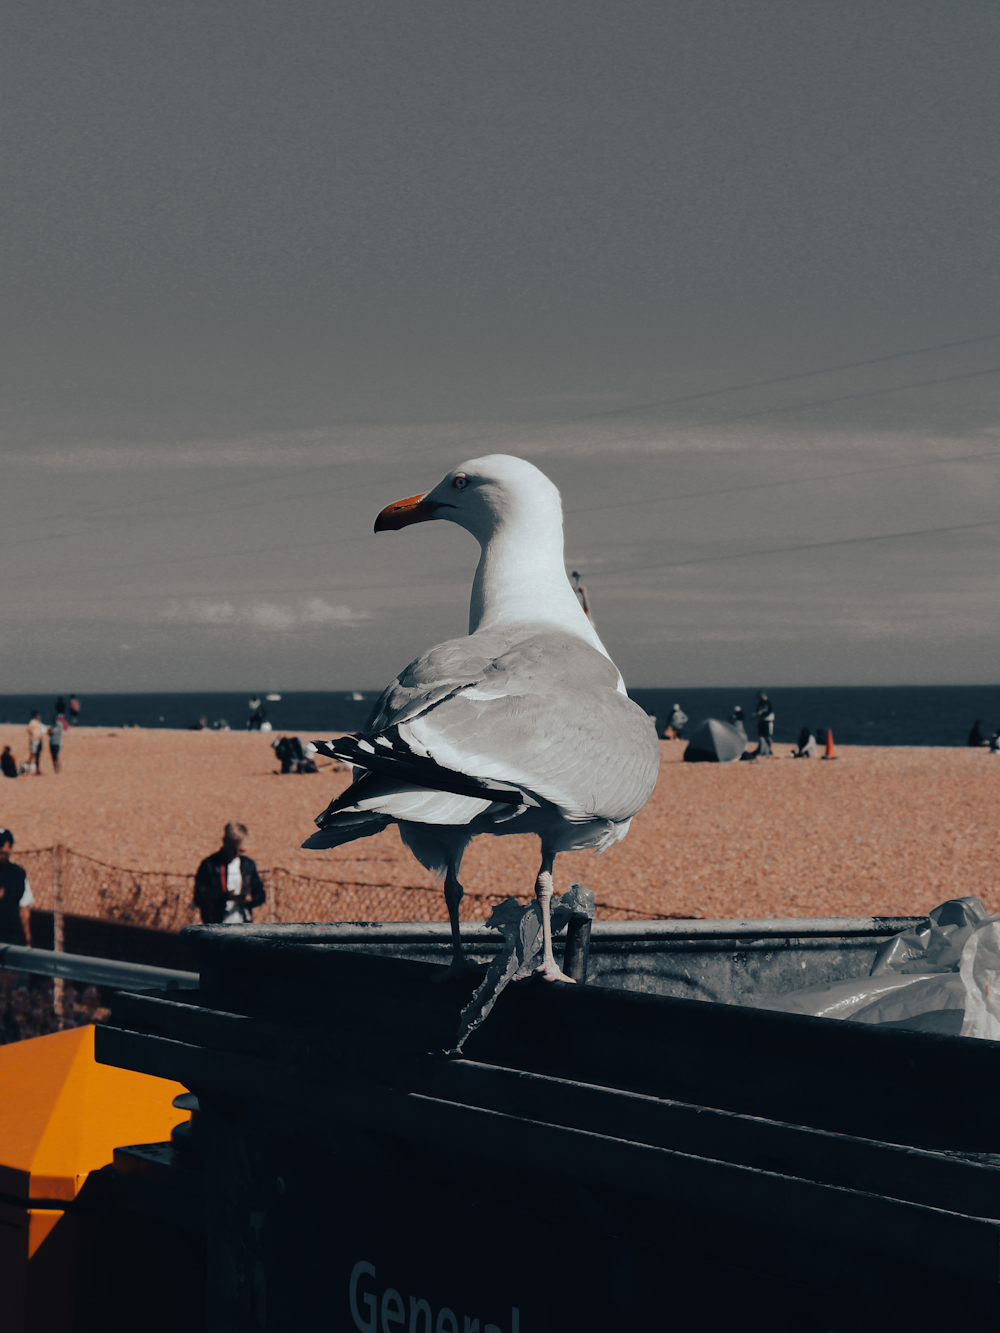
{"x": 38, "y": 733}
{"x": 763, "y": 717}
{"x": 763, "y": 720}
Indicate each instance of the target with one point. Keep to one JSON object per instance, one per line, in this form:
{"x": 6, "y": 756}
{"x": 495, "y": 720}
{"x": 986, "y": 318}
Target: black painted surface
{"x": 644, "y": 1174}
{"x": 423, "y": 1234}
{"x": 861, "y": 1079}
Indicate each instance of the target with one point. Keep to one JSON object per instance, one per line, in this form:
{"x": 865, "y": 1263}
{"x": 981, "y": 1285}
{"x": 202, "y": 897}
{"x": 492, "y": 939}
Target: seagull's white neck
{"x": 521, "y": 579}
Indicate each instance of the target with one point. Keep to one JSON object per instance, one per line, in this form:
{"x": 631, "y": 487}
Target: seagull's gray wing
{"x": 539, "y": 710}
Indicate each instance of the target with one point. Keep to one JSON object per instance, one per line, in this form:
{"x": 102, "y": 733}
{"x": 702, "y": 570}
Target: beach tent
{"x": 715, "y": 742}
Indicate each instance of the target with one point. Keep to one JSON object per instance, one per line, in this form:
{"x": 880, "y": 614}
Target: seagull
{"x": 523, "y": 726}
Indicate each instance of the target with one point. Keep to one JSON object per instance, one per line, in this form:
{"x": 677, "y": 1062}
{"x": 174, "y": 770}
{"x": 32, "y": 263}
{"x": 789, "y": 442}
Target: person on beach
{"x": 765, "y": 710}
{"x": 56, "y": 733}
{"x": 74, "y": 710}
{"x": 678, "y": 721}
{"x": 977, "y": 736}
{"x": 738, "y": 720}
{"x": 806, "y": 748}
{"x": 37, "y": 731}
{"x": 763, "y": 737}
{"x": 295, "y": 757}
{"x": 15, "y": 895}
{"x": 227, "y": 886}
{"x": 8, "y": 764}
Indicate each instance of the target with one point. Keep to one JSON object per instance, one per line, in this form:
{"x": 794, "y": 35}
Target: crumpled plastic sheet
{"x": 941, "y": 976}
{"x": 521, "y": 927}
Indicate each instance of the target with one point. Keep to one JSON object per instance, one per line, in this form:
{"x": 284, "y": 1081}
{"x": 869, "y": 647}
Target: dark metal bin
{"x": 598, "y": 1159}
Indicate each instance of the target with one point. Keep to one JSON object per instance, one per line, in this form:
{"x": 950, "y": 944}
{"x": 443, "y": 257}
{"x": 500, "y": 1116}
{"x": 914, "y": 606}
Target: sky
{"x": 728, "y": 273}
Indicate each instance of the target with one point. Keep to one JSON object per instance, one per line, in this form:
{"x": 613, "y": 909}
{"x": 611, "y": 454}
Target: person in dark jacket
{"x": 977, "y": 736}
{"x": 765, "y": 709}
{"x": 806, "y": 748}
{"x": 15, "y": 894}
{"x": 227, "y": 886}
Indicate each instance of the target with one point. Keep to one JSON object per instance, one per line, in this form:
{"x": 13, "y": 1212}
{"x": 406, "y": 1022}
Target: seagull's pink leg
{"x": 549, "y": 970}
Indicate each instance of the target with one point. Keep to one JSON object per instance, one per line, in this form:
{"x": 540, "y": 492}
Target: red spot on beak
{"x": 402, "y": 513}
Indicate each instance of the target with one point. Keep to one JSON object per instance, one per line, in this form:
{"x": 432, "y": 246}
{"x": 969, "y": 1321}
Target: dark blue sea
{"x": 859, "y": 715}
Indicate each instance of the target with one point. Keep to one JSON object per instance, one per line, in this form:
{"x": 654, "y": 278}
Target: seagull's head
{"x": 481, "y": 496}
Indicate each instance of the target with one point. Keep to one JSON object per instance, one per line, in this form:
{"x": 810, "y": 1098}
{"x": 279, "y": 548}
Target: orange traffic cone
{"x": 831, "y": 753}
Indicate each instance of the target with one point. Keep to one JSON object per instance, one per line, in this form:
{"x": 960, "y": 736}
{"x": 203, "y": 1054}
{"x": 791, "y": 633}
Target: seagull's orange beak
{"x": 404, "y": 512}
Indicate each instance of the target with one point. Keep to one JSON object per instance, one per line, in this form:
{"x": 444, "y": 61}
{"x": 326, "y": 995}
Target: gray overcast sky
{"x": 267, "y": 267}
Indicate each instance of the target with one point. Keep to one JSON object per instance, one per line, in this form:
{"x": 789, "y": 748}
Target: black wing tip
{"x": 420, "y": 770}
{"x": 364, "y": 824}
{"x": 326, "y": 747}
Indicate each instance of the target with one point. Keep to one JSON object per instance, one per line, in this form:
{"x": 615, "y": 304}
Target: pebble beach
{"x": 878, "y": 831}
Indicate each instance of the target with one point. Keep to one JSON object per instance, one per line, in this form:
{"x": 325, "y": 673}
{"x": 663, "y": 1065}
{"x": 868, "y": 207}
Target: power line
{"x": 676, "y": 496}
{"x": 507, "y": 431}
{"x": 787, "y": 379}
{"x": 201, "y": 595}
{"x": 816, "y": 402}
{"x": 734, "y": 490}
{"x": 393, "y": 585}
{"x": 845, "y": 398}
{"x": 615, "y": 412}
{"x": 802, "y": 546}
{"x": 620, "y": 504}
{"x": 187, "y": 559}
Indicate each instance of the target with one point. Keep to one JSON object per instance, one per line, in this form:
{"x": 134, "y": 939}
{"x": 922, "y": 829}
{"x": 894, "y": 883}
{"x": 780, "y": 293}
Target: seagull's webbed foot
{"x": 550, "y": 969}
{"x": 552, "y": 972}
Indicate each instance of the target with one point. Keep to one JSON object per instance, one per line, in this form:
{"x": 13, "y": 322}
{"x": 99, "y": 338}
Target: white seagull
{"x": 522, "y": 727}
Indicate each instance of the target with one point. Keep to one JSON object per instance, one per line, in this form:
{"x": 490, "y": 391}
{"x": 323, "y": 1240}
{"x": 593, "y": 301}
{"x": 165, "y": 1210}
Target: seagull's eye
{"x": 460, "y": 482}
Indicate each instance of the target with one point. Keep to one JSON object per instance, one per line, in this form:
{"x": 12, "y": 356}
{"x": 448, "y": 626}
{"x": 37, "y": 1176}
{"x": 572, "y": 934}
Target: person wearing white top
{"x": 227, "y": 886}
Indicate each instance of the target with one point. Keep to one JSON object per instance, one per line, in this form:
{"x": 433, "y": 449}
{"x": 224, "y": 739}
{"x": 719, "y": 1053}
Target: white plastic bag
{"x": 941, "y": 976}
{"x": 980, "y": 973}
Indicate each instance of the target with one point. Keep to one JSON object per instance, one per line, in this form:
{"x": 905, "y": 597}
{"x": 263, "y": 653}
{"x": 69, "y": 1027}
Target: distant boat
{"x": 272, "y": 698}
{"x": 355, "y": 694}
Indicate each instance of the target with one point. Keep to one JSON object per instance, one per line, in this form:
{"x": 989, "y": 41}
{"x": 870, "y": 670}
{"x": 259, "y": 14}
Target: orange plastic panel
{"x": 40, "y": 1222}
{"x": 62, "y": 1114}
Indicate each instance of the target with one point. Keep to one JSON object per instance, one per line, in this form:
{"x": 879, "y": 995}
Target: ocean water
{"x": 858, "y": 715}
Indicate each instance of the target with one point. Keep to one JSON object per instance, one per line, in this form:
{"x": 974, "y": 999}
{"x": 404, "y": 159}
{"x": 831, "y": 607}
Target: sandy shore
{"x": 881, "y": 831}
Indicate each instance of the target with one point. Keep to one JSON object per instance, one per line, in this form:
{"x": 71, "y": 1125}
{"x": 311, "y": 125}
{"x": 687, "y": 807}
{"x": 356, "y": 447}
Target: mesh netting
{"x": 163, "y": 899}
{"x": 299, "y": 898}
{"x": 113, "y": 893}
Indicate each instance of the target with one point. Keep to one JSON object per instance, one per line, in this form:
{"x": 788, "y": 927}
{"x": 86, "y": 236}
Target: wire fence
{"x": 67, "y": 882}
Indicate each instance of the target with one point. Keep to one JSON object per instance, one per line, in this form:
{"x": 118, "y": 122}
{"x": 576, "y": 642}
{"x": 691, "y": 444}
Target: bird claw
{"x": 552, "y": 972}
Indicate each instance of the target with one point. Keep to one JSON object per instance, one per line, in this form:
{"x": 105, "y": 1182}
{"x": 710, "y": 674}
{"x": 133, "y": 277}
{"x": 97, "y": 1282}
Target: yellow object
{"x": 61, "y": 1116}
